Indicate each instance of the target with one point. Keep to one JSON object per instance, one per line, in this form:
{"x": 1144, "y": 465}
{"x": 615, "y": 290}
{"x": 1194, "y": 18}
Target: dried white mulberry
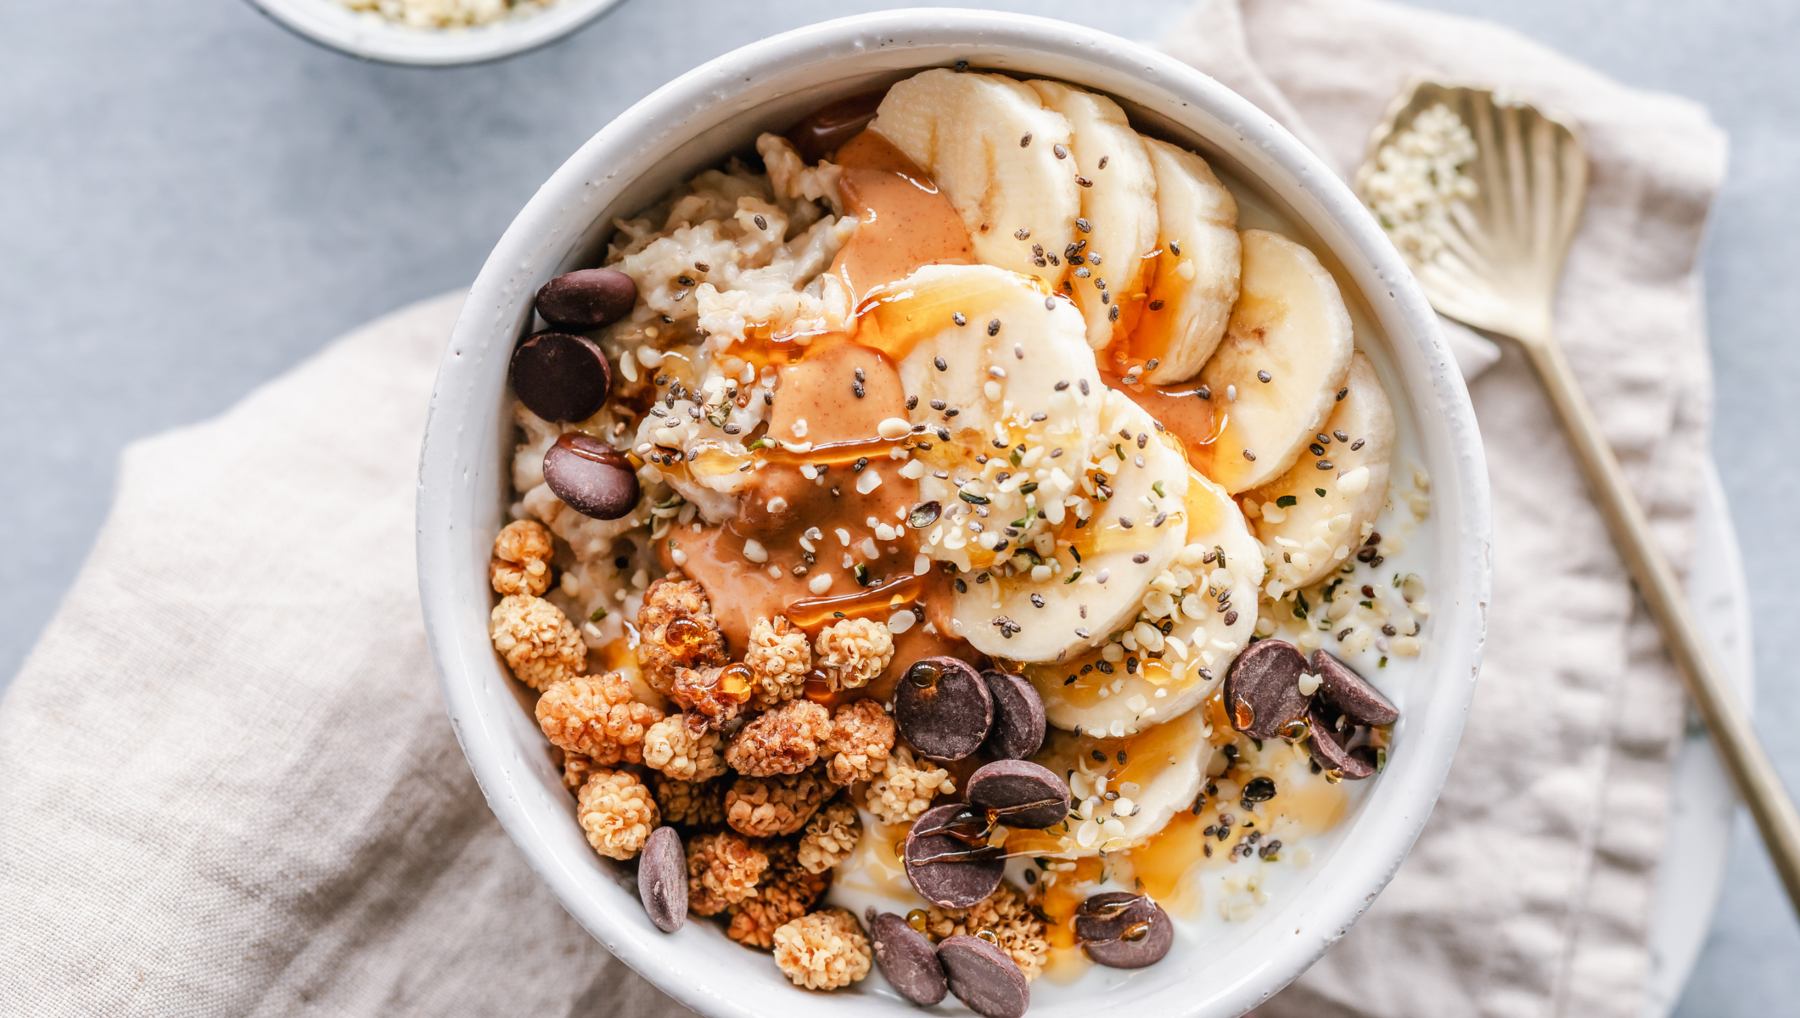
{"x": 785, "y": 740}
{"x": 683, "y": 747}
{"x": 1017, "y": 928}
{"x": 824, "y": 950}
{"x": 677, "y": 630}
{"x": 616, "y": 812}
{"x": 690, "y": 804}
{"x": 723, "y": 869}
{"x": 595, "y": 715}
{"x": 521, "y": 561}
{"x": 539, "y": 643}
{"x": 862, "y": 739}
{"x": 829, "y": 838}
{"x": 905, "y": 787}
{"x": 785, "y": 893}
{"x": 772, "y": 807}
{"x": 779, "y": 657}
{"x": 852, "y": 652}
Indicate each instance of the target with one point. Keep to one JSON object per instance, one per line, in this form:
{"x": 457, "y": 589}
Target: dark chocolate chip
{"x": 1331, "y": 747}
{"x": 907, "y": 960}
{"x": 1262, "y": 690}
{"x": 1123, "y": 931}
{"x": 1350, "y": 693}
{"x": 587, "y": 298}
{"x": 983, "y": 977}
{"x": 592, "y": 477}
{"x": 560, "y": 377}
{"x": 943, "y": 708}
{"x": 662, "y": 879}
{"x": 1019, "y": 724}
{"x": 948, "y": 858}
{"x": 1019, "y": 793}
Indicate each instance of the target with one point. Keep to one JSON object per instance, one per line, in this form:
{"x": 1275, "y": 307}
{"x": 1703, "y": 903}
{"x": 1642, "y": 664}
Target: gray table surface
{"x": 192, "y": 201}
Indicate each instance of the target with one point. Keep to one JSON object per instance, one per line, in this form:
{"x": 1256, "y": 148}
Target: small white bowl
{"x": 717, "y": 109}
{"x": 372, "y": 37}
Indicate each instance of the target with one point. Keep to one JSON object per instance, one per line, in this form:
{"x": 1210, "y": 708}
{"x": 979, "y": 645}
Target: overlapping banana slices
{"x": 1119, "y": 580}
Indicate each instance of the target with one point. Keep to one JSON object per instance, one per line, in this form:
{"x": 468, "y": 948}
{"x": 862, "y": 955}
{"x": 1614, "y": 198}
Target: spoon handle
{"x": 1724, "y": 715}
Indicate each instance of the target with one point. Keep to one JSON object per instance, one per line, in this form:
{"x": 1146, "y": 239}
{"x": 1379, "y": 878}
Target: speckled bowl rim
{"x": 459, "y": 496}
{"x": 368, "y": 37}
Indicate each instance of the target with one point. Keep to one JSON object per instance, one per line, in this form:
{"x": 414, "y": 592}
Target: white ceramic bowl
{"x": 371, "y": 37}
{"x": 717, "y": 109}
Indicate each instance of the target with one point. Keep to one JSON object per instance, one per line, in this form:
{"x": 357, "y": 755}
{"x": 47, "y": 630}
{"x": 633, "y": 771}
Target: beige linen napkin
{"x": 227, "y": 786}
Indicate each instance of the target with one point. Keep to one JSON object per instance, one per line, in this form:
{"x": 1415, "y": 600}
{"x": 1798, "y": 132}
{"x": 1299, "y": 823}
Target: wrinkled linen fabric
{"x": 227, "y": 786}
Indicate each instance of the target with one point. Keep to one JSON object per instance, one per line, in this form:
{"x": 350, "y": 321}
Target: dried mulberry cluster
{"x": 862, "y": 739}
{"x": 829, "y": 838}
{"x": 852, "y": 652}
{"x": 576, "y": 769}
{"x": 596, "y": 715}
{"x": 521, "y": 561}
{"x": 684, "y": 748}
{"x": 689, "y": 803}
{"x": 538, "y": 642}
{"x": 772, "y": 807}
{"x": 779, "y": 657}
{"x": 1017, "y": 929}
{"x": 825, "y": 950}
{"x": 785, "y": 893}
{"x": 905, "y": 787}
{"x": 677, "y": 630}
{"x": 723, "y": 869}
{"x": 616, "y": 813}
{"x": 785, "y": 740}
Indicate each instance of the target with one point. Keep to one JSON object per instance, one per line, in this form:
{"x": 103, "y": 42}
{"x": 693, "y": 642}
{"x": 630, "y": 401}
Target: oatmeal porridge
{"x": 953, "y": 543}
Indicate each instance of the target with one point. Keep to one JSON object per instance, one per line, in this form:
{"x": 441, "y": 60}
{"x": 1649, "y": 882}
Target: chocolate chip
{"x": 983, "y": 977}
{"x": 1123, "y": 931}
{"x": 662, "y": 879}
{"x": 943, "y": 708}
{"x": 1331, "y": 748}
{"x": 1019, "y": 724}
{"x": 560, "y": 377}
{"x": 1262, "y": 690}
{"x": 1019, "y": 793}
{"x": 593, "y": 478}
{"x": 1350, "y": 693}
{"x": 587, "y": 298}
{"x": 906, "y": 959}
{"x": 948, "y": 859}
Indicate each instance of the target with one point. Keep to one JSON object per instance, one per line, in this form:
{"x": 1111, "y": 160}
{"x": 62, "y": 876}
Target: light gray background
{"x": 192, "y": 200}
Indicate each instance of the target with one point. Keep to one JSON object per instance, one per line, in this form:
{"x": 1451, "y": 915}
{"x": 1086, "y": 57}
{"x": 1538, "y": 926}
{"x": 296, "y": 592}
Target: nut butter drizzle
{"x": 784, "y": 550}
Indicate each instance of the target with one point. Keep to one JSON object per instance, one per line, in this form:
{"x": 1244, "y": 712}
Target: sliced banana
{"x": 1072, "y": 587}
{"x": 1310, "y": 519}
{"x": 1276, "y": 375}
{"x": 1194, "y": 279}
{"x": 1108, "y": 269}
{"x": 1191, "y": 623}
{"x": 1150, "y": 777}
{"x": 989, "y": 144}
{"x": 999, "y": 370}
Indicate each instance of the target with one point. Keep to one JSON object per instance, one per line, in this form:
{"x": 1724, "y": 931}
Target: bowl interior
{"x": 716, "y": 111}
{"x": 372, "y": 37}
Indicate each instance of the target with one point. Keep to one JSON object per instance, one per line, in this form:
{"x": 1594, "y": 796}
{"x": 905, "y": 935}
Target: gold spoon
{"x": 1491, "y": 258}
